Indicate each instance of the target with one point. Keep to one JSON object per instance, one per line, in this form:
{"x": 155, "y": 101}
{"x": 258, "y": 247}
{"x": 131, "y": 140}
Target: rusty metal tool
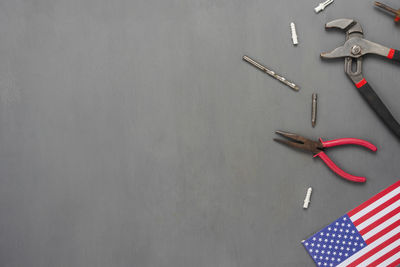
{"x": 396, "y": 12}
{"x": 271, "y": 73}
{"x": 314, "y": 109}
{"x": 318, "y": 147}
{"x": 353, "y": 50}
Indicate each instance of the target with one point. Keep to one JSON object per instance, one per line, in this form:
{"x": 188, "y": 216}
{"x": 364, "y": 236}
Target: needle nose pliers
{"x": 353, "y": 50}
{"x": 318, "y": 147}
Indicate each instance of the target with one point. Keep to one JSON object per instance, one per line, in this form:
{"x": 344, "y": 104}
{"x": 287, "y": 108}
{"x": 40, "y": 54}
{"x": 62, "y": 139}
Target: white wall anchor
{"x": 294, "y": 33}
{"x": 322, "y": 6}
{"x": 307, "y": 200}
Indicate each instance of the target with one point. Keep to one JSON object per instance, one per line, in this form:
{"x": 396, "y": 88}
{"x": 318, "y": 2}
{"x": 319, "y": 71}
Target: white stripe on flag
{"x": 381, "y": 226}
{"x": 375, "y": 204}
{"x": 390, "y": 260}
{"x": 381, "y": 252}
{"x": 370, "y": 247}
{"x": 378, "y": 215}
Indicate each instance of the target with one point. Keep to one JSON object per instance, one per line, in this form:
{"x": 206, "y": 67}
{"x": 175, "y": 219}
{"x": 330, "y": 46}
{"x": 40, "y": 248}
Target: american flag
{"x": 368, "y": 235}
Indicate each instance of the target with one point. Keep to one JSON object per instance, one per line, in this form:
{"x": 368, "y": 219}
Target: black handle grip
{"x": 394, "y": 55}
{"x": 377, "y": 105}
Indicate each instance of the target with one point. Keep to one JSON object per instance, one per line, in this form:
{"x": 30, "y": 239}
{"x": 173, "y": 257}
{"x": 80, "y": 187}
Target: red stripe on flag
{"x": 385, "y": 257}
{"x": 379, "y": 221}
{"x": 377, "y": 209}
{"x": 383, "y": 232}
{"x": 395, "y": 263}
{"x": 375, "y": 250}
{"x": 374, "y": 198}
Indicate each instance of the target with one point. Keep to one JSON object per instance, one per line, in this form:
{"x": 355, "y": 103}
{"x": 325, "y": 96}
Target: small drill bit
{"x": 314, "y": 110}
{"x": 389, "y": 9}
{"x": 271, "y": 73}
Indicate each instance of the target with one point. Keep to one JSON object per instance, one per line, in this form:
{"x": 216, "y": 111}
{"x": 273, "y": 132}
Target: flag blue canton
{"x": 335, "y": 243}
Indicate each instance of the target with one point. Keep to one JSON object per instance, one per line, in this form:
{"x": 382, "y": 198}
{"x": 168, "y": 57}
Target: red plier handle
{"x": 339, "y": 142}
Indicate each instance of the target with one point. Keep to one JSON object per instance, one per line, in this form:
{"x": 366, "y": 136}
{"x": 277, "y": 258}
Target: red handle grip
{"x": 339, "y": 171}
{"x": 394, "y": 54}
{"x": 348, "y": 141}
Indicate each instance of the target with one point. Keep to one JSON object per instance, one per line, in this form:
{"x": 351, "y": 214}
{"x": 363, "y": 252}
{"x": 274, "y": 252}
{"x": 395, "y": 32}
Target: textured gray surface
{"x": 132, "y": 134}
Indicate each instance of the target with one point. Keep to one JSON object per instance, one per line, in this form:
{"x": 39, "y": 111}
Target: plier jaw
{"x": 352, "y": 50}
{"x": 354, "y": 33}
{"x": 299, "y": 142}
{"x": 355, "y": 45}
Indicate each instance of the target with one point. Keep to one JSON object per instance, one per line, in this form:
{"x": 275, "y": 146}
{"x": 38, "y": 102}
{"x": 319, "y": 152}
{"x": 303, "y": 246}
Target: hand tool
{"x": 318, "y": 147}
{"x": 314, "y": 110}
{"x": 390, "y": 10}
{"x": 353, "y": 50}
{"x": 322, "y": 6}
{"x": 271, "y": 73}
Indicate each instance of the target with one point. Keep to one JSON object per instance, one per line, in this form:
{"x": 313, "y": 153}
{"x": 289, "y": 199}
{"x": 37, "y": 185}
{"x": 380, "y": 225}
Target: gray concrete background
{"x": 132, "y": 133}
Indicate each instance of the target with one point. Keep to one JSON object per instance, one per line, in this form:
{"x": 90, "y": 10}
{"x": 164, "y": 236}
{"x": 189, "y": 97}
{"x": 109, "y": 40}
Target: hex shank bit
{"x": 271, "y": 73}
{"x": 314, "y": 110}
